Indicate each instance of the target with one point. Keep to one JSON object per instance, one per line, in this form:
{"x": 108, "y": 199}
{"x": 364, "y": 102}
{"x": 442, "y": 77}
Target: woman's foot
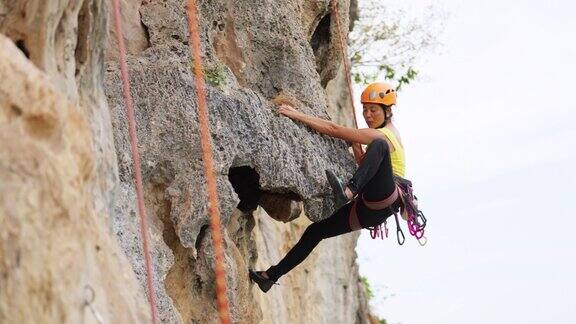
{"x": 342, "y": 195}
{"x": 261, "y": 278}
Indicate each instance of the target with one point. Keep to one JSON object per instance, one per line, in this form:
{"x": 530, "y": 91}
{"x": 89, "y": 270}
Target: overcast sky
{"x": 489, "y": 132}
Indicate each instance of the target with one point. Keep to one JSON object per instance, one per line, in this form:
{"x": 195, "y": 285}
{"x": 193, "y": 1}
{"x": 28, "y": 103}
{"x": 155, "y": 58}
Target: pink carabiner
{"x": 386, "y": 228}
{"x": 374, "y": 232}
{"x": 414, "y": 228}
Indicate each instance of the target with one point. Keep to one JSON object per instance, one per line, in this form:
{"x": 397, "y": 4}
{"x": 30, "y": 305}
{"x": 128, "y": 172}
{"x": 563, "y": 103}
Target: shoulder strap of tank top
{"x": 391, "y": 137}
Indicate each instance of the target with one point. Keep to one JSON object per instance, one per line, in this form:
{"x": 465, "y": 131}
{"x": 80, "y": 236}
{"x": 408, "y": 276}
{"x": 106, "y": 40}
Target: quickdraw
{"x": 377, "y": 231}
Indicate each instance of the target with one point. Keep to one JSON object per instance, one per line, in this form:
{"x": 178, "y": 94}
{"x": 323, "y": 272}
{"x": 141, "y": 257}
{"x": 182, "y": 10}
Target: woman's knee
{"x": 321, "y": 230}
{"x": 381, "y": 145}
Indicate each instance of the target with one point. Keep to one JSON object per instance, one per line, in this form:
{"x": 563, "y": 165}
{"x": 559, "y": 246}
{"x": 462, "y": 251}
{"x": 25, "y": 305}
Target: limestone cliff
{"x": 58, "y": 261}
{"x": 270, "y": 169}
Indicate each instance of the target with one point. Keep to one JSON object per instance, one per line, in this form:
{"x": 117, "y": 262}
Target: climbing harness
{"x": 135, "y": 160}
{"x": 415, "y": 219}
{"x": 206, "y": 143}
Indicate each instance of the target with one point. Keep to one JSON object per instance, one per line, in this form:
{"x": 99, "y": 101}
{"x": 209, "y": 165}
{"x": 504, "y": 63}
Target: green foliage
{"x": 406, "y": 78}
{"x": 370, "y": 295}
{"x": 367, "y": 288}
{"x": 387, "y": 44}
{"x": 215, "y": 76}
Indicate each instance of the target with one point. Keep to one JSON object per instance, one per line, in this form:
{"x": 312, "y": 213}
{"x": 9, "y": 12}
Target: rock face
{"x": 269, "y": 169}
{"x": 65, "y": 40}
{"x": 256, "y": 54}
{"x": 58, "y": 170}
{"x": 58, "y": 260}
{"x": 323, "y": 289}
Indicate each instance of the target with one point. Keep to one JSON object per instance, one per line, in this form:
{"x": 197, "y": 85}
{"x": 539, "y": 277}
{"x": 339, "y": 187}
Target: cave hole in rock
{"x": 281, "y": 205}
{"x": 81, "y": 51}
{"x": 320, "y": 43}
{"x": 246, "y": 182}
{"x": 21, "y": 46}
{"x": 200, "y": 237}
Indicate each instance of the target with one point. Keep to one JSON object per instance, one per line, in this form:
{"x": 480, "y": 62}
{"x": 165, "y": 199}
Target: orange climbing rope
{"x": 206, "y": 143}
{"x": 336, "y": 15}
{"x": 213, "y": 206}
{"x": 135, "y": 160}
{"x": 356, "y": 148}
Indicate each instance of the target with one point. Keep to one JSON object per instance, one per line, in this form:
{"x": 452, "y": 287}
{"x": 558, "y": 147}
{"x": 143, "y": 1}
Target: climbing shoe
{"x": 337, "y": 189}
{"x": 264, "y": 283}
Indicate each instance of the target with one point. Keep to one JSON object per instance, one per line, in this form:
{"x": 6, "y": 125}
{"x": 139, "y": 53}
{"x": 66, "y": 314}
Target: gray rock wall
{"x": 255, "y": 53}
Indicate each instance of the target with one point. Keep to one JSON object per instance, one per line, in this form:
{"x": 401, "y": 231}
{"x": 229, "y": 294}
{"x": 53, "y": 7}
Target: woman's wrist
{"x": 299, "y": 116}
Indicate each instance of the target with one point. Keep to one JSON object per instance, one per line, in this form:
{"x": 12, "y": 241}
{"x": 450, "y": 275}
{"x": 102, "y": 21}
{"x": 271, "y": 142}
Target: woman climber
{"x": 370, "y": 196}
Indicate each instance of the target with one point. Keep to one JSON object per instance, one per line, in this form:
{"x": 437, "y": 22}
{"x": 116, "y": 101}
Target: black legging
{"x": 374, "y": 179}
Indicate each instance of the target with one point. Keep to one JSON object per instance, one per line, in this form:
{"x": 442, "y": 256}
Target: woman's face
{"x": 373, "y": 115}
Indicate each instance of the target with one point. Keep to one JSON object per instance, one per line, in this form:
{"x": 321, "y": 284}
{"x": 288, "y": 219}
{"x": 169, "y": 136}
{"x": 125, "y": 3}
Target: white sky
{"x": 489, "y": 132}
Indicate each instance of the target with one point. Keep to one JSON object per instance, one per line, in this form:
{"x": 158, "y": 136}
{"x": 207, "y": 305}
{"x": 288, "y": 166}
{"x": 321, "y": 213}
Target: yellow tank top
{"x": 397, "y": 157}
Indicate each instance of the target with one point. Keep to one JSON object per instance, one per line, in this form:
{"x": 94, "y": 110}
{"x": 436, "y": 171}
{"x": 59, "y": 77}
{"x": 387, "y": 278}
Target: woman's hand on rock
{"x": 288, "y": 111}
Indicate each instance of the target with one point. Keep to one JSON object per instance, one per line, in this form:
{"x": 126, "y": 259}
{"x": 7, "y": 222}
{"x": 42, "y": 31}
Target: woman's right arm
{"x": 354, "y": 135}
{"x": 327, "y": 127}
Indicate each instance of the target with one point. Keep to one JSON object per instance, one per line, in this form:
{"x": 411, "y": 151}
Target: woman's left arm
{"x": 362, "y": 136}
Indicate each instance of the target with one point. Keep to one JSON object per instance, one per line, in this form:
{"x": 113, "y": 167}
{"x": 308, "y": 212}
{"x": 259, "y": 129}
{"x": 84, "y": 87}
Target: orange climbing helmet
{"x": 379, "y": 93}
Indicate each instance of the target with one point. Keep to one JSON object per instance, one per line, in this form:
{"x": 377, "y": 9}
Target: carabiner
{"x": 374, "y": 232}
{"x": 421, "y": 219}
{"x": 386, "y": 229}
{"x": 398, "y": 230}
{"x": 423, "y": 240}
